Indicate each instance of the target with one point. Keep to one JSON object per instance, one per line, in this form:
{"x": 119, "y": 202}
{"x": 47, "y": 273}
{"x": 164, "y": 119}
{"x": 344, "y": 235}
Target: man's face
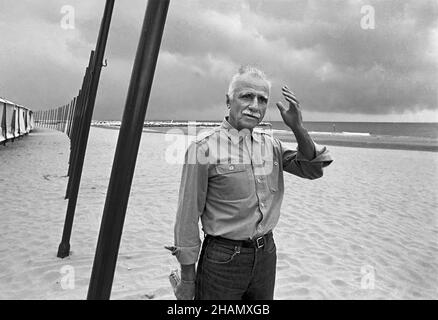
{"x": 249, "y": 102}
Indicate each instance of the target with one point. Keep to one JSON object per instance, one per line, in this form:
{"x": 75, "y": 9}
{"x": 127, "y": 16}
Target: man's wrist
{"x": 297, "y": 128}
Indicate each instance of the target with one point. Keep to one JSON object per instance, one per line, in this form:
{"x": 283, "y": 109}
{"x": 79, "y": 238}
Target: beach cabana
{"x": 15, "y": 120}
{"x": 15, "y": 123}
{"x": 8, "y": 114}
{"x": 2, "y": 121}
{"x": 21, "y": 120}
{"x": 30, "y": 120}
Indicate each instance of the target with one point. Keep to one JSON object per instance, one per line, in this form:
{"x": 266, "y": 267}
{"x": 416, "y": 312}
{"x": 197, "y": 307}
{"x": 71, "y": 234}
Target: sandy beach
{"x": 373, "y": 214}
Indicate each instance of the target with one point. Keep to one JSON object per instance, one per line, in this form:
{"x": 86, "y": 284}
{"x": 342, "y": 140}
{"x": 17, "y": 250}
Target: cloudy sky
{"x": 339, "y": 70}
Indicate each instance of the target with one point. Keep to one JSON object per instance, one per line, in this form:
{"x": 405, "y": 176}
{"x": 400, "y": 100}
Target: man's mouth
{"x": 250, "y": 114}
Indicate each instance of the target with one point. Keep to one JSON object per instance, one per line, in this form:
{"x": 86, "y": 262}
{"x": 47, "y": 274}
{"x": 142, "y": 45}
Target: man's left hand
{"x": 292, "y": 115}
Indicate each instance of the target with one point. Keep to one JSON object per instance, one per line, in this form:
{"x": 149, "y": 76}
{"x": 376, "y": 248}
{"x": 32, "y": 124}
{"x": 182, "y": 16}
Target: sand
{"x": 374, "y": 211}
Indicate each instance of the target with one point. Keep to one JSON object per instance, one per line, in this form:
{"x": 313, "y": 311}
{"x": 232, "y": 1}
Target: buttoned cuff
{"x": 322, "y": 155}
{"x": 186, "y": 255}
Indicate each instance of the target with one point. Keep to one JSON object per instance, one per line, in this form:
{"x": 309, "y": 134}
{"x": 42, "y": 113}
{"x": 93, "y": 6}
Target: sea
{"x": 398, "y": 129}
{"x": 427, "y": 130}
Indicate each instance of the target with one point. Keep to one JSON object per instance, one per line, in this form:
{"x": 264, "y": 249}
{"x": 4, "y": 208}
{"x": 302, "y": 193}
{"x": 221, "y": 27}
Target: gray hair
{"x": 247, "y": 70}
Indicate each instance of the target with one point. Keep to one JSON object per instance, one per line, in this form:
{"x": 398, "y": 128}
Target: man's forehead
{"x": 252, "y": 84}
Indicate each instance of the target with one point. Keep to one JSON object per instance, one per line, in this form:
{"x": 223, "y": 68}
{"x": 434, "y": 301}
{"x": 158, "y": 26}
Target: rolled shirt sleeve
{"x": 294, "y": 161}
{"x": 191, "y": 203}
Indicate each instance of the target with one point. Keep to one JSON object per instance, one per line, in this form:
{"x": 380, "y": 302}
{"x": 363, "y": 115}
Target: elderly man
{"x": 232, "y": 180}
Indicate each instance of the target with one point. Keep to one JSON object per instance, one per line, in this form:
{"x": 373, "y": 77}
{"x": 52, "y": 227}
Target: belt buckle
{"x": 260, "y": 242}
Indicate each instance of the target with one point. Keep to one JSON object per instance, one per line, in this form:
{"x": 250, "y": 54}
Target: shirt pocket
{"x": 230, "y": 181}
{"x": 272, "y": 169}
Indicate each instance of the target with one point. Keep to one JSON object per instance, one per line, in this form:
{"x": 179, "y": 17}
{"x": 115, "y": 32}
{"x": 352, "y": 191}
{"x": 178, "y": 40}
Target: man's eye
{"x": 247, "y": 96}
{"x": 263, "y": 100}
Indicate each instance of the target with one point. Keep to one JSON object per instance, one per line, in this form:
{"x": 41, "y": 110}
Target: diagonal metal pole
{"x": 64, "y": 246}
{"x": 70, "y": 119}
{"x": 126, "y": 151}
{"x": 79, "y": 127}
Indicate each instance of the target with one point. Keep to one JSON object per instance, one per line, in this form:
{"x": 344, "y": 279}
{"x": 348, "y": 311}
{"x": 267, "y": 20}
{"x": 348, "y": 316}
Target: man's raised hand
{"x": 292, "y": 115}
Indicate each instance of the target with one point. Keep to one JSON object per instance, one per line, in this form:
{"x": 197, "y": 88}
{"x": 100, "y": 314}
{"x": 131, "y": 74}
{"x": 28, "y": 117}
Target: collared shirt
{"x": 233, "y": 181}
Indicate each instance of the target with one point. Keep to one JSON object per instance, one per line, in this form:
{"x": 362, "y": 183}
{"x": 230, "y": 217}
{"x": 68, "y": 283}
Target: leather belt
{"x": 257, "y": 242}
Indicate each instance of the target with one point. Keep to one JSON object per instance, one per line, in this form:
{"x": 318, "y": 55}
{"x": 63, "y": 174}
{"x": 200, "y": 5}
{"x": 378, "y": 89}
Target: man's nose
{"x": 254, "y": 104}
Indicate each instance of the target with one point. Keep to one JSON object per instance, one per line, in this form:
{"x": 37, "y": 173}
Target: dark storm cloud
{"x": 318, "y": 48}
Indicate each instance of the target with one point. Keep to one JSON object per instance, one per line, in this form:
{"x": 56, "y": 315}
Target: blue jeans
{"x": 228, "y": 271}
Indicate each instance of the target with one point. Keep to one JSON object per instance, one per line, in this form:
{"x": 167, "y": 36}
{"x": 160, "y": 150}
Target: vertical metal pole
{"x": 67, "y": 116}
{"x": 58, "y": 120}
{"x": 79, "y": 126}
{"x": 67, "y": 112}
{"x": 70, "y": 119}
{"x": 62, "y": 119}
{"x": 70, "y": 112}
{"x": 127, "y": 149}
{"x": 64, "y": 246}
{"x": 76, "y": 124}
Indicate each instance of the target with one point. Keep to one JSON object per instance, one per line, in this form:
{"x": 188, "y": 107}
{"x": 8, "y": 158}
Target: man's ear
{"x": 227, "y": 100}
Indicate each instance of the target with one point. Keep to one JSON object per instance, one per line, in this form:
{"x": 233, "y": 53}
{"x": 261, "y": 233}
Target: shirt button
{"x": 231, "y": 167}
{"x": 275, "y": 163}
{"x": 259, "y": 180}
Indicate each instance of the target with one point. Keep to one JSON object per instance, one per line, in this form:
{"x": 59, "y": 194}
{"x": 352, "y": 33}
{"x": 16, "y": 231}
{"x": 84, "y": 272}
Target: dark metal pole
{"x": 79, "y": 128}
{"x": 63, "y": 117}
{"x": 51, "y": 118}
{"x": 77, "y": 124}
{"x": 67, "y": 116}
{"x": 60, "y": 112}
{"x": 73, "y": 124}
{"x": 64, "y": 246}
{"x": 126, "y": 151}
{"x": 57, "y": 118}
{"x": 70, "y": 119}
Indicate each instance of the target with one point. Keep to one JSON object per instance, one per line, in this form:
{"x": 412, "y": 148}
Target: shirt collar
{"x": 235, "y": 135}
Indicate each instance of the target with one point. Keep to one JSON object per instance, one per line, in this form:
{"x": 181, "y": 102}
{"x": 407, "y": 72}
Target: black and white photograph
{"x": 247, "y": 150}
